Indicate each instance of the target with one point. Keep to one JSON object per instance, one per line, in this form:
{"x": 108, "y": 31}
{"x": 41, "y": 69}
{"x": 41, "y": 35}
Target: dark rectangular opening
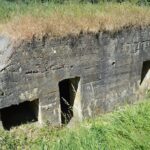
{"x": 145, "y": 69}
{"x": 23, "y": 113}
{"x": 67, "y": 89}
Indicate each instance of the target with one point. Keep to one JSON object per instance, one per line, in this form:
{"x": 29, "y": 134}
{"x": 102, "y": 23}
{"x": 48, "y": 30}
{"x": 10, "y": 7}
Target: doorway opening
{"x": 23, "y": 113}
{"x": 145, "y": 70}
{"x": 68, "y": 89}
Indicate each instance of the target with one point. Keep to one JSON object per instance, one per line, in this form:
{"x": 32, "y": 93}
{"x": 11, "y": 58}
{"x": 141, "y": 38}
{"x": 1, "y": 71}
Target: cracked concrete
{"x": 109, "y": 67}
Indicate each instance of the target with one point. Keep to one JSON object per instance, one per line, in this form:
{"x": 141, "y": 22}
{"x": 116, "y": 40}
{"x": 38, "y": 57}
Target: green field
{"x": 128, "y": 128}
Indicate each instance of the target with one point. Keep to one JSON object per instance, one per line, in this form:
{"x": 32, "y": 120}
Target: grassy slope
{"x": 22, "y": 21}
{"x": 125, "y": 129}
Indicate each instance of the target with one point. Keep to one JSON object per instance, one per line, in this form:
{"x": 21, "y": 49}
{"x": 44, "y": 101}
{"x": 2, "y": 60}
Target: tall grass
{"x": 22, "y": 20}
{"x": 126, "y": 129}
{"x": 11, "y": 8}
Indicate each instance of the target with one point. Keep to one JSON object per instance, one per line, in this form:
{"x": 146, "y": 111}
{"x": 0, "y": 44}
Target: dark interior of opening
{"x": 67, "y": 89}
{"x": 145, "y": 69}
{"x": 16, "y": 115}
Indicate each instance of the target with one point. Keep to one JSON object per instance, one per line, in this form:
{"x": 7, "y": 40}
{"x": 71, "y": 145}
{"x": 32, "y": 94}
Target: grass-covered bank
{"x": 125, "y": 129}
{"x": 22, "y": 20}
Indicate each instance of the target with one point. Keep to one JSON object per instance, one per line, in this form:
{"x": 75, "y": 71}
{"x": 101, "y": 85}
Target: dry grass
{"x": 72, "y": 19}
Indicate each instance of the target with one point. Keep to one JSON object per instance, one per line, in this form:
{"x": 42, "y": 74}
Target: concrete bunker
{"x": 145, "y": 75}
{"x": 68, "y": 90}
{"x": 49, "y": 71}
{"x": 22, "y": 113}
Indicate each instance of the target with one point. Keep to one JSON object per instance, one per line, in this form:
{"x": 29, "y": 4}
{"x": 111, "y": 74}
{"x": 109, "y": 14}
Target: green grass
{"x": 10, "y": 9}
{"x": 128, "y": 128}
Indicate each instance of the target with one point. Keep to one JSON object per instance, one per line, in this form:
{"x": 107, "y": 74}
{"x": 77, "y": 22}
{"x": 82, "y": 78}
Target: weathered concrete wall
{"x": 109, "y": 67}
